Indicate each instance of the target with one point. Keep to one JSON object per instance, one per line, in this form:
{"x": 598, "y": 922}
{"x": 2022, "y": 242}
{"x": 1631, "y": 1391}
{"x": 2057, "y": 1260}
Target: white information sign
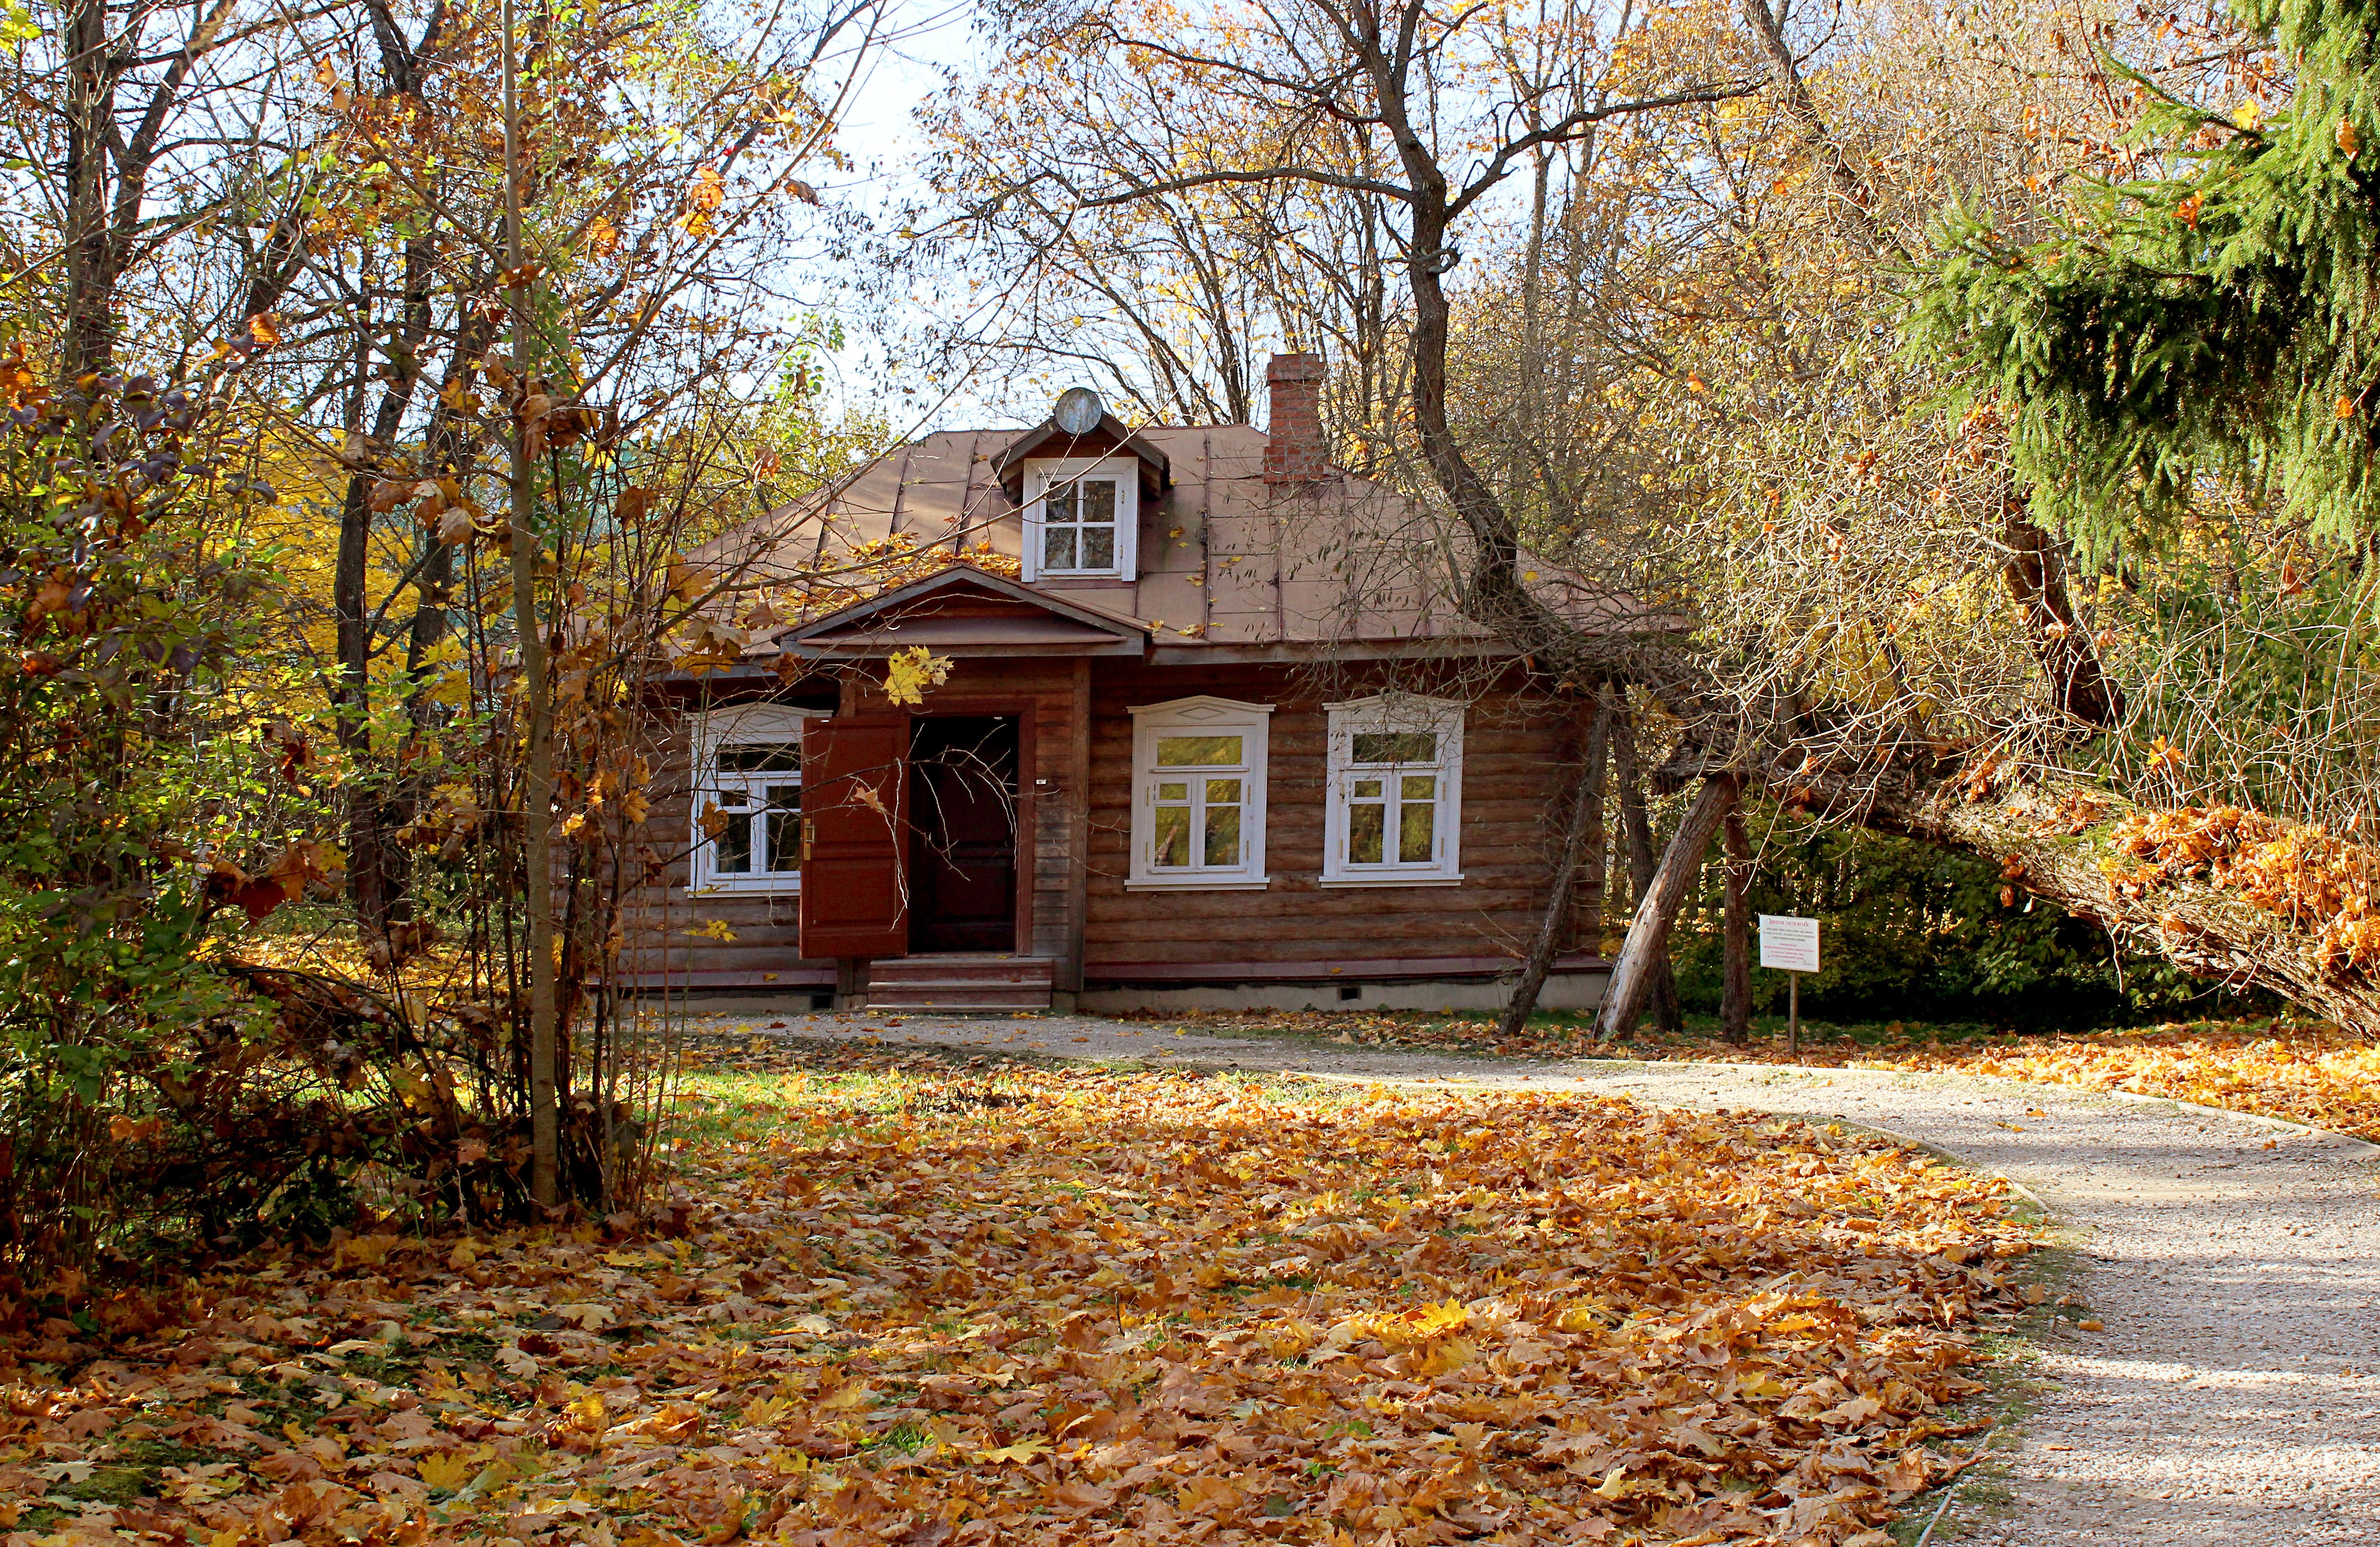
{"x": 1789, "y": 943}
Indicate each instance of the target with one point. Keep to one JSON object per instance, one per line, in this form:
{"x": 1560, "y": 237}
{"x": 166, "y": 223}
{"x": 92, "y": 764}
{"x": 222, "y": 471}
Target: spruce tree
{"x": 2214, "y": 324}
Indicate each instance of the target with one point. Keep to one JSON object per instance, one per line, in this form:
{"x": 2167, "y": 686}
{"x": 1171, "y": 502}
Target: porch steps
{"x": 959, "y": 982}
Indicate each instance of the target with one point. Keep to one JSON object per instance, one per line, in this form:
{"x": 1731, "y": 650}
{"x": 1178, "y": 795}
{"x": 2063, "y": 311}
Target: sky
{"x": 934, "y": 41}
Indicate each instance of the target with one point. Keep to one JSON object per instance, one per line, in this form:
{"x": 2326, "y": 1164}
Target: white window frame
{"x": 1392, "y": 713}
{"x": 1041, "y": 474}
{"x": 749, "y": 724}
{"x": 1201, "y": 715}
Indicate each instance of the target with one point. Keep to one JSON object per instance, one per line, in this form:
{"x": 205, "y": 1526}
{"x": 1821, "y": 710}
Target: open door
{"x": 963, "y": 843}
{"x": 855, "y": 831}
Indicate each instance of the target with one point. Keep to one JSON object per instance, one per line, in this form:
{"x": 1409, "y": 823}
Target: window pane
{"x": 1099, "y": 503}
{"x": 731, "y": 850}
{"x": 1223, "y": 830}
{"x": 784, "y": 827}
{"x": 760, "y": 757}
{"x": 1399, "y": 747}
{"x": 1419, "y": 787}
{"x": 1416, "y": 829}
{"x": 1172, "y": 836}
{"x": 1174, "y": 792}
{"x": 1099, "y": 548}
{"x": 1223, "y": 792}
{"x": 1367, "y": 789}
{"x": 1058, "y": 548}
{"x": 1058, "y": 506}
{"x": 1199, "y": 752}
{"x": 1367, "y": 829}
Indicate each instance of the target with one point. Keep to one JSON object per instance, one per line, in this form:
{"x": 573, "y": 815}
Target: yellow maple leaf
{"x": 1431, "y": 1320}
{"x": 908, "y": 673}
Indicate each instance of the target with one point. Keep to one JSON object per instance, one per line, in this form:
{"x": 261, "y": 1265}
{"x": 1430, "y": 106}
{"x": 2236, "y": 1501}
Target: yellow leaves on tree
{"x": 710, "y": 191}
{"x": 908, "y": 673}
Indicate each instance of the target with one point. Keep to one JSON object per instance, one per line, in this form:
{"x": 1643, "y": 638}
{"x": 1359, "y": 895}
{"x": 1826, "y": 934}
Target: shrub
{"x": 146, "y": 1087}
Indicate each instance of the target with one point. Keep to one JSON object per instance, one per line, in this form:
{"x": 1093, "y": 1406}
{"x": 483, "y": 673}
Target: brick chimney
{"x": 1293, "y": 454}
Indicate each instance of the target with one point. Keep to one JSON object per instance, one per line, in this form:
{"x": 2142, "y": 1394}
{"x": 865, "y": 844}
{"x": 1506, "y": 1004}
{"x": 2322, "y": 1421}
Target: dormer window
{"x": 1082, "y": 515}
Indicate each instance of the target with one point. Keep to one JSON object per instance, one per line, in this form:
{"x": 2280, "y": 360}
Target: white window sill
{"x": 790, "y": 887}
{"x": 1390, "y": 881}
{"x": 1199, "y": 883}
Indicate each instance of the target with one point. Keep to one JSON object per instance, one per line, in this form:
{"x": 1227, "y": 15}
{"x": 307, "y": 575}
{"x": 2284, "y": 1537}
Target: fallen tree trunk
{"x": 1646, "y": 950}
{"x": 2227, "y": 894}
{"x": 2222, "y": 892}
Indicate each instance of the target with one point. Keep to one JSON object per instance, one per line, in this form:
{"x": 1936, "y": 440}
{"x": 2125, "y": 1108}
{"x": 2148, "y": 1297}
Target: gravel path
{"x": 2234, "y": 1394}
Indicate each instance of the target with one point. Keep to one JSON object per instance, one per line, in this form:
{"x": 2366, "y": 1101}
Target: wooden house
{"x": 1211, "y": 736}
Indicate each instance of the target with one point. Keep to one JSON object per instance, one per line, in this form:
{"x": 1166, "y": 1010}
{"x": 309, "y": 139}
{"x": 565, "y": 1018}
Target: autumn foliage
{"x": 1049, "y": 1306}
{"x": 2317, "y": 881}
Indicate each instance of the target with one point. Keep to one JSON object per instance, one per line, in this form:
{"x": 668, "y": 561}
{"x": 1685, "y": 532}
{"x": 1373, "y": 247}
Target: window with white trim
{"x": 1396, "y": 793}
{"x": 1198, "y": 794}
{"x": 1082, "y": 516}
{"x": 747, "y": 799}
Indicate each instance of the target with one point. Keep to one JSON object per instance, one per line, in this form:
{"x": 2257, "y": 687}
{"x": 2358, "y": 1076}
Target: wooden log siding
{"x": 767, "y": 926}
{"x": 659, "y": 951}
{"x": 1511, "y": 755}
{"x": 1512, "y": 750}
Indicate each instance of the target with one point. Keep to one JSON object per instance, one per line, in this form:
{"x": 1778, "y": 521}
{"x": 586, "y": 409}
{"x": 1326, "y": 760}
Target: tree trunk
{"x": 2193, "y": 898}
{"x": 378, "y": 877}
{"x": 93, "y": 256}
{"x": 1638, "y": 822}
{"x": 537, "y": 775}
{"x": 1657, "y": 909}
{"x": 1586, "y": 818}
{"x": 1736, "y": 1001}
{"x": 2037, "y": 578}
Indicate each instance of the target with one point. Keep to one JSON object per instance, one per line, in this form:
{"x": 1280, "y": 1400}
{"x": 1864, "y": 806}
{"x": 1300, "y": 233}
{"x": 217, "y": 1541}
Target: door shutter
{"x": 855, "y": 829}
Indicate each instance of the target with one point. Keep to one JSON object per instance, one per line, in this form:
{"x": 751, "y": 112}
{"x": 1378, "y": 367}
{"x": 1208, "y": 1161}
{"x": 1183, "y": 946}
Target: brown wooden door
{"x": 855, "y": 826}
{"x": 963, "y": 838}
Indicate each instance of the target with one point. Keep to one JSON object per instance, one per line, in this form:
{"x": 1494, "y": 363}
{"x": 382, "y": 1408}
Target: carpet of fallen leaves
{"x": 2319, "y": 1075}
{"x": 2302, "y": 1072}
{"x": 893, "y": 1299}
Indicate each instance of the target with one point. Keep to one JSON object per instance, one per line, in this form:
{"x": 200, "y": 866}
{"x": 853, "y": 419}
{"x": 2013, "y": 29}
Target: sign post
{"x": 1790, "y": 945}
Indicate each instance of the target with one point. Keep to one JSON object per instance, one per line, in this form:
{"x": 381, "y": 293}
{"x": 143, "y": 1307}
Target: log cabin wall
{"x": 1517, "y": 753}
{"x": 668, "y": 946}
{"x": 1075, "y": 910}
{"x": 664, "y": 946}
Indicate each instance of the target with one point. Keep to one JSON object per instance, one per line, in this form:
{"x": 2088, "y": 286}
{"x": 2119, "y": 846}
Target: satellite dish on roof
{"x": 1079, "y": 411}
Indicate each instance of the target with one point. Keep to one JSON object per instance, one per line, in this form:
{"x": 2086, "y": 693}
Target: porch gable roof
{"x": 963, "y": 610}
